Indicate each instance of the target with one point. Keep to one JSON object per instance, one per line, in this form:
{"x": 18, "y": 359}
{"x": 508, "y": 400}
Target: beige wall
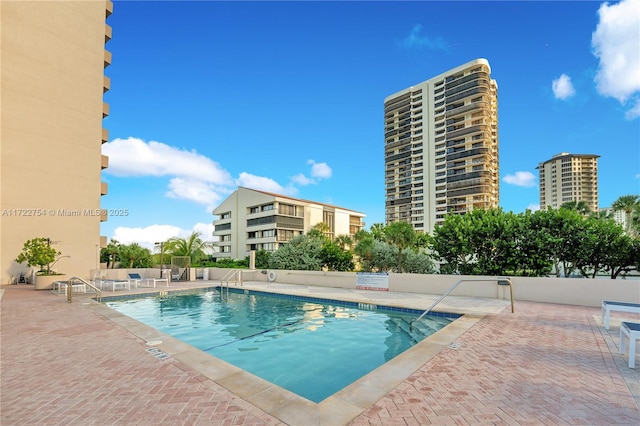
{"x": 569, "y": 291}
{"x": 52, "y": 87}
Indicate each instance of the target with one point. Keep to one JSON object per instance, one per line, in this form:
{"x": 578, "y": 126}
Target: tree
{"x": 599, "y": 239}
{"x": 452, "y": 243}
{"x": 364, "y": 248}
{"x": 193, "y": 246}
{"x": 109, "y": 254}
{"x": 627, "y": 203}
{"x": 38, "y": 251}
{"x": 335, "y": 258}
{"x": 377, "y": 230}
{"x": 135, "y": 256}
{"x": 301, "y": 253}
{"x": 580, "y": 206}
{"x": 262, "y": 259}
{"x": 401, "y": 235}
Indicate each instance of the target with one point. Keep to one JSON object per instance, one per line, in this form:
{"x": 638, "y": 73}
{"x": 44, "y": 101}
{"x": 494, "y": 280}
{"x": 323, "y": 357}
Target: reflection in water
{"x": 311, "y": 349}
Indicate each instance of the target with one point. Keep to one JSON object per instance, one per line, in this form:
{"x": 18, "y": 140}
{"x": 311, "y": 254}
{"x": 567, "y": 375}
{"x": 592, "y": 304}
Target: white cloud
{"x": 320, "y": 170}
{"x": 534, "y": 207}
{"x": 302, "y": 180}
{"x": 135, "y": 157}
{"x": 562, "y": 87}
{"x": 198, "y": 191}
{"x": 260, "y": 183}
{"x": 634, "y": 112}
{"x": 416, "y": 40}
{"x": 525, "y": 179}
{"x": 193, "y": 176}
{"x": 616, "y": 43}
{"x": 149, "y": 235}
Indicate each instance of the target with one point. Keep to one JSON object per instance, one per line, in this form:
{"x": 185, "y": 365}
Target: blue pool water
{"x": 313, "y": 347}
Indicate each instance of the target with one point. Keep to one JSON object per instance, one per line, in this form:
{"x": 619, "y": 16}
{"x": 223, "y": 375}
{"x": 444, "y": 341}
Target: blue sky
{"x": 288, "y": 97}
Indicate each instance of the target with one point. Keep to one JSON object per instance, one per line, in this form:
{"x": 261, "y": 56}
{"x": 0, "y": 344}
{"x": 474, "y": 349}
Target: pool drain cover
{"x": 454, "y": 345}
{"x": 159, "y": 353}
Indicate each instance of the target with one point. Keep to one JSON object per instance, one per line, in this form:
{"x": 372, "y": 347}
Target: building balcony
{"x": 107, "y": 58}
{"x": 109, "y": 8}
{"x": 104, "y": 188}
{"x": 103, "y": 241}
{"x": 106, "y": 84}
{"x": 105, "y": 109}
{"x": 105, "y": 135}
{"x": 104, "y": 162}
{"x": 103, "y": 215}
{"x": 107, "y": 33}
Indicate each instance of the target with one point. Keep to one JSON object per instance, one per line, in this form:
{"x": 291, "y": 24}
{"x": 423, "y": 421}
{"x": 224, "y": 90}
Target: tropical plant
{"x": 364, "y": 247}
{"x": 193, "y": 247}
{"x": 38, "y": 251}
{"x": 628, "y": 204}
{"x": 109, "y": 254}
{"x": 335, "y": 258}
{"x": 580, "y": 206}
{"x": 401, "y": 235}
{"x": 135, "y": 256}
{"x": 302, "y": 253}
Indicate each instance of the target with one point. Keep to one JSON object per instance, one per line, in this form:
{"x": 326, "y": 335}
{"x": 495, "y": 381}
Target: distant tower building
{"x": 569, "y": 177}
{"x": 441, "y": 147}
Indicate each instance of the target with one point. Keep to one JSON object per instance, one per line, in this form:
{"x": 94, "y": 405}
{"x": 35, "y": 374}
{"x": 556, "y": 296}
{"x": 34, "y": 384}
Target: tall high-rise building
{"x": 53, "y": 81}
{"x": 569, "y": 177}
{"x": 441, "y": 146}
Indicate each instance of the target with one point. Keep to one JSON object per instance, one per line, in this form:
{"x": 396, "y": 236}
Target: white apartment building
{"x": 441, "y": 147}
{"x": 256, "y": 220}
{"x": 569, "y": 177}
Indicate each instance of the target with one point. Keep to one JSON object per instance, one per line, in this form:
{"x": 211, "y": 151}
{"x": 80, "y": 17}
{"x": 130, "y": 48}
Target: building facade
{"x": 251, "y": 220}
{"x": 569, "y": 177}
{"x": 53, "y": 81}
{"x": 441, "y": 147}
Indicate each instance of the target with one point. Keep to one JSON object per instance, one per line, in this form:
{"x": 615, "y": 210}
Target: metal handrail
{"x": 461, "y": 281}
{"x": 230, "y": 275}
{"x": 85, "y": 282}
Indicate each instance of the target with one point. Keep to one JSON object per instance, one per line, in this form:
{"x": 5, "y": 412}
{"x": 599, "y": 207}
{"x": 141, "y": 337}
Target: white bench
{"x": 632, "y": 331}
{"x": 608, "y": 306}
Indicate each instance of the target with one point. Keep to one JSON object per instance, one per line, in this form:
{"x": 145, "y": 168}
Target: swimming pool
{"x": 312, "y": 347}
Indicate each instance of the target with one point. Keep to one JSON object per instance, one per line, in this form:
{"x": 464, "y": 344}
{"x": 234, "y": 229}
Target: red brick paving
{"x": 63, "y": 364}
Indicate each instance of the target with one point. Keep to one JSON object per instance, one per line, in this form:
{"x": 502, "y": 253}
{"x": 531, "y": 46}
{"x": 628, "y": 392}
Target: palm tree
{"x": 113, "y": 252}
{"x": 364, "y": 246}
{"x": 193, "y": 247}
{"x": 580, "y": 206}
{"x": 377, "y": 230}
{"x": 626, "y": 203}
{"x": 402, "y": 235}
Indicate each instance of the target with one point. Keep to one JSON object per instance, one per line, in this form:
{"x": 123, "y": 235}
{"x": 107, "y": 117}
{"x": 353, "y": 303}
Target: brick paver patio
{"x": 65, "y": 364}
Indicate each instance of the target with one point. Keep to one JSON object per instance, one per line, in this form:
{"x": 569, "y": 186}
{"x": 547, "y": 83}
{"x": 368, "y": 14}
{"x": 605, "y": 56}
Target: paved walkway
{"x": 72, "y": 364}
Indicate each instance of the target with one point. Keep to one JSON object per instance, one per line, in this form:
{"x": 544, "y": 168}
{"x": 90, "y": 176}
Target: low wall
{"x": 569, "y": 291}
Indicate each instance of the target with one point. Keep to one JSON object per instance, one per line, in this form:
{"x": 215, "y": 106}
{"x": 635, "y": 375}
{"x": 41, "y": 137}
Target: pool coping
{"x": 339, "y": 408}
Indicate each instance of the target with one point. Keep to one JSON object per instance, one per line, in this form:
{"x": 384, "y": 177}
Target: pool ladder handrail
{"x": 498, "y": 279}
{"x": 85, "y": 282}
{"x": 230, "y": 275}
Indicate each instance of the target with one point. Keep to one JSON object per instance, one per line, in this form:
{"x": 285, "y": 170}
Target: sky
{"x": 287, "y": 97}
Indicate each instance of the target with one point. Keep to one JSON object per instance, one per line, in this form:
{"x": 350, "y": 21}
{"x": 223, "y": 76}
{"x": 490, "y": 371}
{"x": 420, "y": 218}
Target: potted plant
{"x": 39, "y": 252}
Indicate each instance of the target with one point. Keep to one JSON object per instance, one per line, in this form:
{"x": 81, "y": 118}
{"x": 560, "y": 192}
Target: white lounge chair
{"x": 608, "y": 306}
{"x": 136, "y": 279}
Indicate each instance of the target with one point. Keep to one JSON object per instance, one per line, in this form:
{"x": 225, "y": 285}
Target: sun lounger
{"x": 136, "y": 279}
{"x": 632, "y": 331}
{"x": 608, "y": 306}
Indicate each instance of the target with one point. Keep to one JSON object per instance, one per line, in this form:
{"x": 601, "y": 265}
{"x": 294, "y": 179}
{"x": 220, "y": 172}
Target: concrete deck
{"x": 84, "y": 364}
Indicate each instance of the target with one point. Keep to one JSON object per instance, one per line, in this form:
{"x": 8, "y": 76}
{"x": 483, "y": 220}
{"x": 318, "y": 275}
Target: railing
{"x": 85, "y": 282}
{"x": 234, "y": 273}
{"x": 498, "y": 279}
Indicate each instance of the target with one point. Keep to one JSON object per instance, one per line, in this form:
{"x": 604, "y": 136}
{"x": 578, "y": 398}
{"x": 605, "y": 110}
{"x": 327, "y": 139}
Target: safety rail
{"x": 85, "y": 282}
{"x": 237, "y": 273}
{"x": 498, "y": 279}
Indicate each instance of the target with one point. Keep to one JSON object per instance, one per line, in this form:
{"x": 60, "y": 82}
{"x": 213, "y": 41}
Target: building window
{"x": 226, "y": 215}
